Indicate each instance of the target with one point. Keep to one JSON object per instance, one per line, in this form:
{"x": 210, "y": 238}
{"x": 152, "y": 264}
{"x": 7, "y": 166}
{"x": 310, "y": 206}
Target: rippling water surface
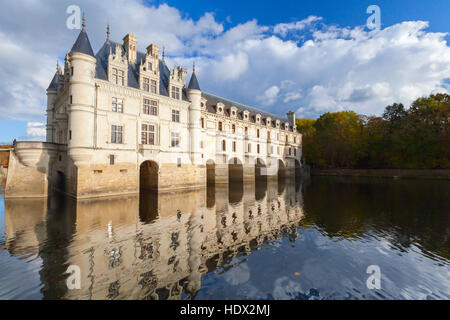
{"x": 277, "y": 240}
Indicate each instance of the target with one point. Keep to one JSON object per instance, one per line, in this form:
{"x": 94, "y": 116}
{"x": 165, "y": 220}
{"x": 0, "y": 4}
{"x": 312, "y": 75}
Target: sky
{"x": 308, "y": 56}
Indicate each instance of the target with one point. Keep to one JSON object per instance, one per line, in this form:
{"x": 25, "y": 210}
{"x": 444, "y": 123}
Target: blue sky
{"x": 308, "y": 56}
{"x": 343, "y": 13}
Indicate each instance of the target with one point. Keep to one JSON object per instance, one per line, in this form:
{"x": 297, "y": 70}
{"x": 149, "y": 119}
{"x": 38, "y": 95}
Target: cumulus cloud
{"x": 270, "y": 96}
{"x": 35, "y": 131}
{"x": 333, "y": 68}
{"x": 283, "y": 29}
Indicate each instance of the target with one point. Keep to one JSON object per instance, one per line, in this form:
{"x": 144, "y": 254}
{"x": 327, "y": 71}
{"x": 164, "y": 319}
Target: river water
{"x": 312, "y": 239}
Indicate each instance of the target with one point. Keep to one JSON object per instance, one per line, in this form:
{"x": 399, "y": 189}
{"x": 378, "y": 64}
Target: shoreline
{"x": 439, "y": 174}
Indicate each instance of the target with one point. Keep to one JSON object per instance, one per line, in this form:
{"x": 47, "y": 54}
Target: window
{"x": 71, "y": 71}
{"x": 70, "y": 100}
{"x": 233, "y": 128}
{"x": 176, "y": 93}
{"x": 249, "y": 147}
{"x": 175, "y": 116}
{"x": 234, "y": 146}
{"x": 278, "y": 150}
{"x": 175, "y": 139}
{"x": 118, "y": 76}
{"x": 220, "y": 125}
{"x": 257, "y": 148}
{"x": 203, "y": 122}
{"x": 271, "y": 149}
{"x": 148, "y": 134}
{"x": 146, "y": 84}
{"x": 116, "y": 134}
{"x": 149, "y": 66}
{"x": 224, "y": 145}
{"x": 150, "y": 107}
{"x": 287, "y": 138}
{"x": 153, "y": 86}
{"x": 111, "y": 159}
{"x": 257, "y": 133}
{"x": 289, "y": 151}
{"x": 70, "y": 134}
{"x": 295, "y": 152}
{"x": 246, "y": 130}
{"x": 117, "y": 105}
{"x": 268, "y": 135}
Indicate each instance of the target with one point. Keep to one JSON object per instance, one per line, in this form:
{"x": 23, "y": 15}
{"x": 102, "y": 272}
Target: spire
{"x": 82, "y": 43}
{"x": 107, "y": 32}
{"x": 83, "y": 25}
{"x": 193, "y": 84}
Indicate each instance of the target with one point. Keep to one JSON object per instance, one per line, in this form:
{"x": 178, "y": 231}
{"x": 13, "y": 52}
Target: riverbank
{"x": 385, "y": 173}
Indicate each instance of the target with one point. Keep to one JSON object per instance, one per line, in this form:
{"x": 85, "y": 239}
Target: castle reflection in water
{"x": 149, "y": 247}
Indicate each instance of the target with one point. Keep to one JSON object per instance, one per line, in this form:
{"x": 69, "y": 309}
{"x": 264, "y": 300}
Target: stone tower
{"x": 195, "y": 96}
{"x": 80, "y": 140}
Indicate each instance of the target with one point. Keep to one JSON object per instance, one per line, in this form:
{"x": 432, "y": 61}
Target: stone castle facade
{"x": 121, "y": 122}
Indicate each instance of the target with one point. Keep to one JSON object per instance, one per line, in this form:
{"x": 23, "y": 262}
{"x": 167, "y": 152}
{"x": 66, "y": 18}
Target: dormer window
{"x": 220, "y": 108}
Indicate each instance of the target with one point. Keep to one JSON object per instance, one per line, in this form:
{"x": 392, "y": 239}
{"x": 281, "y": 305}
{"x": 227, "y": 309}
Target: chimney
{"x": 291, "y": 117}
{"x": 129, "y": 42}
{"x": 153, "y": 50}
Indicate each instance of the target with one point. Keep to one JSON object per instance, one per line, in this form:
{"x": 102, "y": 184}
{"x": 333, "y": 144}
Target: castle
{"x": 121, "y": 122}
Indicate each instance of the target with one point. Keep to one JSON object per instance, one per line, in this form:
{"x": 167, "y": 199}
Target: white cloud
{"x": 35, "y": 131}
{"x": 270, "y": 96}
{"x": 337, "y": 68}
{"x": 283, "y": 29}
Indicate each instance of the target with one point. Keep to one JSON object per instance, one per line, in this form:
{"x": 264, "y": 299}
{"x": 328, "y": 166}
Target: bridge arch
{"x": 281, "y": 169}
{"x": 148, "y": 176}
{"x": 210, "y": 172}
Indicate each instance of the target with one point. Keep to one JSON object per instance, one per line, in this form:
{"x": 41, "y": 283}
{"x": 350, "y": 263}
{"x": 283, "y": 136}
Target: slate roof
{"x": 193, "y": 84}
{"x": 54, "y": 83}
{"x": 133, "y": 69}
{"x": 212, "y": 101}
{"x": 82, "y": 44}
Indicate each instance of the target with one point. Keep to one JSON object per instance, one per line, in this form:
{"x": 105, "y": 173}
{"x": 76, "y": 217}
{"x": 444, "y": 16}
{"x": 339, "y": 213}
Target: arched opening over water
{"x": 260, "y": 179}
{"x": 235, "y": 170}
{"x": 210, "y": 172}
{"x": 260, "y": 169}
{"x": 298, "y": 170}
{"x": 60, "y": 182}
{"x": 281, "y": 169}
{"x": 235, "y": 180}
{"x": 148, "y": 177}
{"x": 148, "y": 191}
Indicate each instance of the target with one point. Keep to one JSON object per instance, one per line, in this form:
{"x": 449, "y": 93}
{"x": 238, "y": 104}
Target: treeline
{"x": 414, "y": 138}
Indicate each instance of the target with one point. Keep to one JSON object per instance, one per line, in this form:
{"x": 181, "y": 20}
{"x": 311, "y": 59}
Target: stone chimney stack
{"x": 130, "y": 42}
{"x": 153, "y": 51}
{"x": 291, "y": 117}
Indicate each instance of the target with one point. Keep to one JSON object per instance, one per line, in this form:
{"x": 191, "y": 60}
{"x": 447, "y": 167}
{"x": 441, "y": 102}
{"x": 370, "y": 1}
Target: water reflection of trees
{"x": 402, "y": 211}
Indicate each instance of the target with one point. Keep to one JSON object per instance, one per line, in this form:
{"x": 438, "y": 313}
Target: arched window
{"x": 224, "y": 145}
